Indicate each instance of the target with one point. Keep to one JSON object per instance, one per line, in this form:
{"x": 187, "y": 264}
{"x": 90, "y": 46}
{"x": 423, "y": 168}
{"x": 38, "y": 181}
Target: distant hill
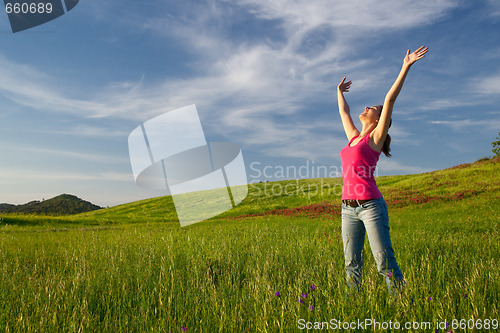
{"x": 64, "y": 204}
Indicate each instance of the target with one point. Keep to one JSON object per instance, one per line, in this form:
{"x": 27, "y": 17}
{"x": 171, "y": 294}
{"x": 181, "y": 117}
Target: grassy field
{"x": 272, "y": 264}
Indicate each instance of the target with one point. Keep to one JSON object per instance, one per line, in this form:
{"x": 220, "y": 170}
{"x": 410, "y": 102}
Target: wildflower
{"x": 311, "y": 308}
{"x": 313, "y": 287}
{"x": 184, "y": 329}
{"x": 464, "y": 295}
{"x": 390, "y": 274}
{"x": 301, "y": 301}
{"x": 278, "y": 294}
{"x": 430, "y": 298}
{"x": 304, "y": 295}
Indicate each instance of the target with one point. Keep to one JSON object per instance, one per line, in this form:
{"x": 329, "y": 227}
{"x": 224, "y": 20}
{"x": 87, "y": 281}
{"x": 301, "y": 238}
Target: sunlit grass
{"x": 136, "y": 273}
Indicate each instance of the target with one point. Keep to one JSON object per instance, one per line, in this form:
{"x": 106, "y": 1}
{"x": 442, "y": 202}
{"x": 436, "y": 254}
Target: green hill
{"x": 475, "y": 181}
{"x": 64, "y": 204}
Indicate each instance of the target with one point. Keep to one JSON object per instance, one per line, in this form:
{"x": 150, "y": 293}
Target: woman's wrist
{"x": 406, "y": 65}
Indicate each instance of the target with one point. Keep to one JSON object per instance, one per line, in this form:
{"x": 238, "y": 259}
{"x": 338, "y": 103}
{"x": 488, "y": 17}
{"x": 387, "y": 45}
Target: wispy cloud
{"x": 251, "y": 83}
{"x": 392, "y": 167}
{"x": 355, "y": 14}
{"x": 494, "y": 8}
{"x": 488, "y": 85}
{"x": 446, "y": 103}
{"x": 73, "y": 155}
{"x": 466, "y": 94}
{"x": 85, "y": 131}
{"x": 460, "y": 124}
{"x": 244, "y": 82}
{"x": 15, "y": 176}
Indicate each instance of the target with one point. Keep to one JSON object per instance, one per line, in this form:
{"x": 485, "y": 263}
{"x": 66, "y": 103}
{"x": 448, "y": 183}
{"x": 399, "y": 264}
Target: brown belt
{"x": 355, "y": 203}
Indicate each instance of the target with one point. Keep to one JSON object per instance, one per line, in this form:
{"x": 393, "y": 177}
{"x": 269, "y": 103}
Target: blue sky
{"x": 262, "y": 74}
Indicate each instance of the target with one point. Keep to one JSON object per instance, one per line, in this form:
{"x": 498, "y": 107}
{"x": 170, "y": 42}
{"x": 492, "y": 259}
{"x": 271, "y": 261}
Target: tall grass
{"x": 248, "y": 274}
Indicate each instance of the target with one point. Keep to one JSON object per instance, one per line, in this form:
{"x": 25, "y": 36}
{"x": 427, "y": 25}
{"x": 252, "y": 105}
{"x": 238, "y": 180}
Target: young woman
{"x": 363, "y": 207}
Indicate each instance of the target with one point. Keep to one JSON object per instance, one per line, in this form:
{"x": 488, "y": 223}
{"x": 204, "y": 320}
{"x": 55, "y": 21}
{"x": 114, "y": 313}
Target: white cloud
{"x": 25, "y": 150}
{"x": 17, "y": 176}
{"x": 494, "y": 8}
{"x": 485, "y": 124}
{"x": 94, "y": 131}
{"x": 249, "y": 82}
{"x": 354, "y": 14}
{"x": 488, "y": 85}
{"x": 85, "y": 131}
{"x": 391, "y": 167}
{"x": 468, "y": 93}
{"x": 446, "y": 103}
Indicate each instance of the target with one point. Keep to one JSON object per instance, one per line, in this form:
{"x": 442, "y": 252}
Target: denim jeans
{"x": 372, "y": 218}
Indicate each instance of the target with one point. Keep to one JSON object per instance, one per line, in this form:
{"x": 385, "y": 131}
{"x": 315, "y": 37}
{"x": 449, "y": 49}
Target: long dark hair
{"x": 386, "y": 148}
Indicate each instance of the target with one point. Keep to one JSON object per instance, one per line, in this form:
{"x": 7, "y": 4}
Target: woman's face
{"x": 371, "y": 114}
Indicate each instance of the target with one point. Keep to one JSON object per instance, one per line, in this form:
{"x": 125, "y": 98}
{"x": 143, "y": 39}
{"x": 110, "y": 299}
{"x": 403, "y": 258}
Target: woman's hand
{"x": 344, "y": 86}
{"x": 411, "y": 58}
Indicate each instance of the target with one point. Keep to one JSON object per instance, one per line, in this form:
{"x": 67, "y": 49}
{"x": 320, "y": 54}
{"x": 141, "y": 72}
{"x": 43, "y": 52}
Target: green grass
{"x": 132, "y": 268}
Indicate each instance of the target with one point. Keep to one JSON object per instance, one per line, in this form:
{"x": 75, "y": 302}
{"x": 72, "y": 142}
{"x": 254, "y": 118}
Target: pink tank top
{"x": 358, "y": 167}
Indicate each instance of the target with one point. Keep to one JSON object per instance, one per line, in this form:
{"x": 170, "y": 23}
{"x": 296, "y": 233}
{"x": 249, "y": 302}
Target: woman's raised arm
{"x": 344, "y": 110}
{"x": 382, "y": 128}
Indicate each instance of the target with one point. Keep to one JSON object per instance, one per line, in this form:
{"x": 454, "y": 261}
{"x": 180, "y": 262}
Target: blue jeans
{"x": 371, "y": 217}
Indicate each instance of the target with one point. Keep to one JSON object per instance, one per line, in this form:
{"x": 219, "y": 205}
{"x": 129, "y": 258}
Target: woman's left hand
{"x": 411, "y": 58}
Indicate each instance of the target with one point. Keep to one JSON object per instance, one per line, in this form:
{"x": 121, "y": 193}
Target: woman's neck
{"x": 367, "y": 129}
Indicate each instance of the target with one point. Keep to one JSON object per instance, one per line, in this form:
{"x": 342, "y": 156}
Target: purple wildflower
{"x": 313, "y": 287}
{"x": 278, "y": 294}
{"x": 464, "y": 295}
{"x": 304, "y": 295}
{"x": 390, "y": 274}
{"x": 311, "y": 308}
{"x": 301, "y": 301}
{"x": 430, "y": 298}
{"x": 184, "y": 329}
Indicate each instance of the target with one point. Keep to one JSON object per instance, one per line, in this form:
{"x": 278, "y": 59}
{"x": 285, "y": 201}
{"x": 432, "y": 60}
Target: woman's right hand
{"x": 411, "y": 58}
{"x": 344, "y": 86}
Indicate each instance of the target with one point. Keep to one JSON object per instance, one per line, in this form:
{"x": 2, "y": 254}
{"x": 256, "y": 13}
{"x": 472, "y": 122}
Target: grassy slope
{"x": 476, "y": 182}
{"x": 222, "y": 274}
